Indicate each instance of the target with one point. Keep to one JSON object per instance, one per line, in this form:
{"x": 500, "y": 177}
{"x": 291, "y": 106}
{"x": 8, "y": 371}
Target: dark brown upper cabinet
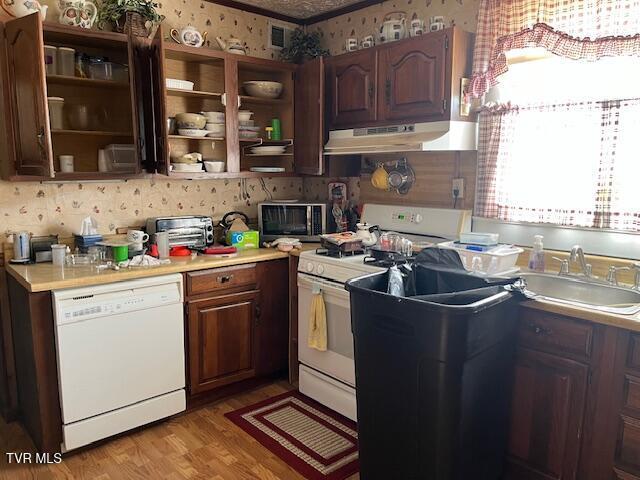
{"x": 412, "y": 80}
{"x": 353, "y": 88}
{"x": 309, "y": 113}
{"x": 414, "y": 76}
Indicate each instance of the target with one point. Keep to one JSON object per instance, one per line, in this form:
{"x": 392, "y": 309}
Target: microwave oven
{"x": 301, "y": 220}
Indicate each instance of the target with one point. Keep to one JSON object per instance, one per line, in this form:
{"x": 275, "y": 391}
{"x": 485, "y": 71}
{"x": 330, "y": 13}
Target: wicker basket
{"x": 133, "y": 23}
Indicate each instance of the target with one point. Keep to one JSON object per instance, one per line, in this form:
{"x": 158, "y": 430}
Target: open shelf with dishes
{"x": 90, "y": 104}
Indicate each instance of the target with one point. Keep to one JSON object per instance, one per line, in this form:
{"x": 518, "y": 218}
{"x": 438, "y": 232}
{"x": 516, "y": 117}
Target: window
{"x": 562, "y": 145}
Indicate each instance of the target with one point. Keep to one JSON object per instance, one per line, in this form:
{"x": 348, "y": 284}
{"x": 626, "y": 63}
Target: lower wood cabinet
{"x": 221, "y": 340}
{"x": 547, "y": 414}
{"x": 237, "y": 324}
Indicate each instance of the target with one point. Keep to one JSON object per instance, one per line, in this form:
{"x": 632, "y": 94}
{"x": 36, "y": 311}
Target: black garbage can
{"x": 433, "y": 375}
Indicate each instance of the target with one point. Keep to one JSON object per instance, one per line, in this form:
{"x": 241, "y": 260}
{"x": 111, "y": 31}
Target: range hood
{"x": 415, "y": 137}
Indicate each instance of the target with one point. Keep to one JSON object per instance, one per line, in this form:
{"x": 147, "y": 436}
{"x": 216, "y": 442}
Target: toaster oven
{"x": 304, "y": 221}
{"x": 193, "y": 231}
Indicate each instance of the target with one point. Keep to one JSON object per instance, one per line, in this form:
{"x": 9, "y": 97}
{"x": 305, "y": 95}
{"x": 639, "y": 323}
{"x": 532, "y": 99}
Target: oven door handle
{"x": 313, "y": 283}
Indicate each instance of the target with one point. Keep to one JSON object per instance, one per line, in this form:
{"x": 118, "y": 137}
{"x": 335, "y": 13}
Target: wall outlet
{"x": 457, "y": 186}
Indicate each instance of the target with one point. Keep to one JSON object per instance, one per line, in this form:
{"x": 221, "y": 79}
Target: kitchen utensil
{"x": 162, "y": 243}
{"x": 66, "y": 61}
{"x": 120, "y": 253}
{"x": 214, "y": 166}
{"x": 267, "y": 169}
{"x": 380, "y": 178}
{"x": 221, "y": 251}
{"x": 193, "y": 132}
{"x": 77, "y": 13}
{"x": 277, "y": 129}
{"x": 137, "y": 236}
{"x": 41, "y": 248}
{"x": 58, "y": 253}
{"x": 50, "y": 60}
{"x": 366, "y": 233}
{"x": 393, "y": 29}
{"x": 191, "y": 120}
{"x": 189, "y": 35}
{"x": 268, "y": 150}
{"x": 244, "y": 115}
{"x": 66, "y": 163}
{"x": 56, "y": 116}
{"x": 21, "y": 247}
{"x": 416, "y": 27}
{"x": 232, "y": 45}
{"x": 180, "y": 252}
{"x": 263, "y": 89}
{"x": 401, "y": 177}
{"x": 78, "y": 116}
{"x": 179, "y": 84}
{"x": 214, "y": 117}
{"x": 187, "y": 167}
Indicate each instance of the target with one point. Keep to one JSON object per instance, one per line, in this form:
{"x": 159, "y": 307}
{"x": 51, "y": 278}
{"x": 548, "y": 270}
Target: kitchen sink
{"x": 583, "y": 293}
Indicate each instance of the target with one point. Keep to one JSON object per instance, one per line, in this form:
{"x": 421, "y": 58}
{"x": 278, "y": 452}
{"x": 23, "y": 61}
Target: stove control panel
{"x": 414, "y": 218}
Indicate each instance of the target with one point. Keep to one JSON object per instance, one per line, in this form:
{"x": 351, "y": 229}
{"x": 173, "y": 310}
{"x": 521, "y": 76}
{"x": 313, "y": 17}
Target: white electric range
{"x": 329, "y": 377}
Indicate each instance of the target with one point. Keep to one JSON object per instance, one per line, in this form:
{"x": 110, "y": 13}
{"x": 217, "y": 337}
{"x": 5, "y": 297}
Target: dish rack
{"x": 260, "y": 142}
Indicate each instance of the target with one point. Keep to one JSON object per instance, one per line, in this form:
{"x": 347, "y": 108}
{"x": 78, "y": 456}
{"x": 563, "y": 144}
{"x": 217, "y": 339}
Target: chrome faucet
{"x": 612, "y": 276}
{"x": 636, "y": 280}
{"x": 577, "y": 255}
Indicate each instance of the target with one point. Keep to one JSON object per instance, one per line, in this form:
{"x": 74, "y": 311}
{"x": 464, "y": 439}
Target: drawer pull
{"x": 225, "y": 278}
{"x": 538, "y": 330}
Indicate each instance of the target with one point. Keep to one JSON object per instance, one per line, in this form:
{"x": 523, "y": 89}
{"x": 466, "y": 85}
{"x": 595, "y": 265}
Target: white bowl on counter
{"x": 215, "y": 129}
{"x": 263, "y": 89}
{"x": 214, "y": 166}
{"x": 244, "y": 115}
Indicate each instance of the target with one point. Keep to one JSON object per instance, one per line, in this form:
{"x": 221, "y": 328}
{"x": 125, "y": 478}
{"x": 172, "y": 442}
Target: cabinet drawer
{"x": 632, "y": 394}
{"x": 633, "y": 360}
{"x": 554, "y": 333}
{"x": 220, "y": 279}
{"x": 628, "y": 448}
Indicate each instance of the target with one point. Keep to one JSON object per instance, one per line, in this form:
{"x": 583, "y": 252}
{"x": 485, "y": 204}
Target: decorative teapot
{"x": 77, "y": 13}
{"x": 393, "y": 29}
{"x": 366, "y": 233}
{"x": 233, "y": 45}
{"x": 189, "y": 36}
{"x": 21, "y": 8}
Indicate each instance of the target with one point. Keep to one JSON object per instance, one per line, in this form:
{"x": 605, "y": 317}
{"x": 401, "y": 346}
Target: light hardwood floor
{"x": 201, "y": 444}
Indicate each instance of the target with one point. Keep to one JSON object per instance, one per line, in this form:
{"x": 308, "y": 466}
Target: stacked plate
{"x": 269, "y": 150}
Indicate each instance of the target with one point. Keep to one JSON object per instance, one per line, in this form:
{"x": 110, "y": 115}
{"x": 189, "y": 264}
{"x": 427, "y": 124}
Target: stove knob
{"x": 320, "y": 269}
{"x": 417, "y": 218}
{"x": 309, "y": 267}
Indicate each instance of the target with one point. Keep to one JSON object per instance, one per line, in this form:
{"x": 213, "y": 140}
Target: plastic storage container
{"x": 66, "y": 61}
{"x": 50, "y": 60}
{"x": 433, "y": 375}
{"x": 121, "y": 158}
{"x": 496, "y": 260}
{"x": 56, "y": 115}
{"x": 100, "y": 70}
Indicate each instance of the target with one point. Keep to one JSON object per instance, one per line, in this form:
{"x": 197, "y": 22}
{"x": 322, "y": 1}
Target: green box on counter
{"x": 244, "y": 240}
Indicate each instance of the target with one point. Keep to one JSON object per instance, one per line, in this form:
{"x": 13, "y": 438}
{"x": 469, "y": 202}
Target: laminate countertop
{"x": 45, "y": 276}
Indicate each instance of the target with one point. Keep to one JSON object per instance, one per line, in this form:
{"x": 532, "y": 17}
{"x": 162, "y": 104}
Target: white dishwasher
{"x": 120, "y": 356}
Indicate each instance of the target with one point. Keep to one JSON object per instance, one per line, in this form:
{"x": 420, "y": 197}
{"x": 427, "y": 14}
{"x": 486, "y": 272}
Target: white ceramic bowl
{"x": 263, "y": 89}
{"x": 179, "y": 84}
{"x": 193, "y": 132}
{"x": 190, "y": 120}
{"x": 187, "y": 167}
{"x": 214, "y": 117}
{"x": 215, "y": 129}
{"x": 269, "y": 150}
{"x": 214, "y": 166}
{"x": 244, "y": 115}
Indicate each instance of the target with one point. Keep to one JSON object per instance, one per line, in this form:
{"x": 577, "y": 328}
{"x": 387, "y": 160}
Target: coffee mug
{"x": 417, "y": 27}
{"x": 137, "y": 236}
{"x": 368, "y": 41}
{"x": 436, "y": 23}
{"x": 351, "y": 44}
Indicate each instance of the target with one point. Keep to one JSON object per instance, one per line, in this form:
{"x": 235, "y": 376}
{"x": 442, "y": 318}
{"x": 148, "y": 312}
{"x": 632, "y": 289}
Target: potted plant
{"x": 135, "y": 15}
{"x": 304, "y": 46}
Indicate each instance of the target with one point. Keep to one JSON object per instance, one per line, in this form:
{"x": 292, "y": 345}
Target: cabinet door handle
{"x": 387, "y": 91}
{"x": 225, "y": 278}
{"x": 538, "y": 330}
{"x": 258, "y": 315}
{"x": 371, "y": 92}
{"x": 40, "y": 137}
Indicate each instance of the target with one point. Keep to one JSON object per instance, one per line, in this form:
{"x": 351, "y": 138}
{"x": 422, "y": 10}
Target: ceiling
{"x": 300, "y": 9}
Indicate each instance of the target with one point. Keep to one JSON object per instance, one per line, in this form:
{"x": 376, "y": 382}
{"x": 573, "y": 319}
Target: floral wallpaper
{"x": 50, "y": 208}
{"x": 367, "y": 21}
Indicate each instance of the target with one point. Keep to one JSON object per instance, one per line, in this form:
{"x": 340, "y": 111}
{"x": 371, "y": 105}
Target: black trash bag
{"x": 461, "y": 298}
{"x": 440, "y": 256}
{"x": 432, "y": 279}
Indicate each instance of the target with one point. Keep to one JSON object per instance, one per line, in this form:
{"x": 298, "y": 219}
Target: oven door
{"x": 285, "y": 221}
{"x": 337, "y": 361}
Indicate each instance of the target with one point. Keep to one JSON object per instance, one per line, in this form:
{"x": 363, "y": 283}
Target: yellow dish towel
{"x": 317, "y": 323}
